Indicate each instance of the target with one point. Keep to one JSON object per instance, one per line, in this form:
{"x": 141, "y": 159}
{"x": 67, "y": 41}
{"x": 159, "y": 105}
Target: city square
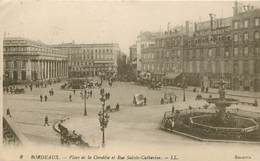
{"x": 141, "y": 124}
{"x": 155, "y": 80}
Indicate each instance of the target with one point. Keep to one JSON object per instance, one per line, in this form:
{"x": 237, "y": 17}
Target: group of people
{"x": 203, "y": 89}
{"x": 9, "y": 89}
{"x": 170, "y": 99}
{"x": 45, "y": 98}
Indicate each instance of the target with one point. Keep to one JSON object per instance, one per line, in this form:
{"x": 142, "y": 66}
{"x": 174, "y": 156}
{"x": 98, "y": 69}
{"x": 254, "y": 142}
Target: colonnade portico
{"x": 38, "y": 69}
{"x": 52, "y": 69}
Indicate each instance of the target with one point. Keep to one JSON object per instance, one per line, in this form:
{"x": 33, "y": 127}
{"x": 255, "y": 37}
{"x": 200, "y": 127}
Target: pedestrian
{"x": 74, "y": 91}
{"x": 70, "y": 97}
{"x": 8, "y": 113}
{"x": 134, "y": 100}
{"x": 45, "y": 98}
{"x": 170, "y": 99}
{"x": 175, "y": 98}
{"x": 50, "y": 92}
{"x": 31, "y": 87}
{"x": 162, "y": 101}
{"x": 117, "y": 106}
{"x": 46, "y": 121}
{"x": 108, "y": 95}
{"x": 90, "y": 93}
{"x": 207, "y": 89}
{"x": 255, "y": 103}
{"x": 173, "y": 108}
{"x": 41, "y": 98}
{"x": 145, "y": 100}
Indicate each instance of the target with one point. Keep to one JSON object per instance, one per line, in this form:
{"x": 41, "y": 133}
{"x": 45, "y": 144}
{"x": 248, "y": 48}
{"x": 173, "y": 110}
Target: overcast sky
{"x": 100, "y": 22}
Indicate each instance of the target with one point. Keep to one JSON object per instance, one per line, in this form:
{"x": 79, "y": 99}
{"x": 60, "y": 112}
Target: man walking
{"x": 8, "y": 113}
{"x": 41, "y": 98}
{"x": 45, "y": 98}
{"x": 70, "y": 97}
{"x": 46, "y": 121}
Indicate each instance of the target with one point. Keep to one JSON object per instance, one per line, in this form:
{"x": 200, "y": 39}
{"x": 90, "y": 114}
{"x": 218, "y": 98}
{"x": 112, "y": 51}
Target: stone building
{"x": 220, "y": 48}
{"x": 246, "y": 49}
{"x": 91, "y": 59}
{"x": 207, "y": 53}
{"x": 27, "y": 60}
{"x": 144, "y": 40}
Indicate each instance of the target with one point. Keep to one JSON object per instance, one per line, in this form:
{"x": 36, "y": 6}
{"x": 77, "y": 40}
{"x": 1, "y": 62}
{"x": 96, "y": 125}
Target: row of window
{"x": 29, "y": 49}
{"x": 162, "y": 67}
{"x": 246, "y": 23}
{"x": 90, "y": 56}
{"x": 162, "y": 54}
{"x": 245, "y": 36}
{"x": 83, "y": 50}
{"x": 215, "y": 67}
{"x": 222, "y": 52}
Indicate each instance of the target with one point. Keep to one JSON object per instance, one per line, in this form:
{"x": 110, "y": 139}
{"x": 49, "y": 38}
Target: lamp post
{"x": 85, "y": 99}
{"x": 103, "y": 119}
{"x": 184, "y": 86}
{"x": 183, "y": 70}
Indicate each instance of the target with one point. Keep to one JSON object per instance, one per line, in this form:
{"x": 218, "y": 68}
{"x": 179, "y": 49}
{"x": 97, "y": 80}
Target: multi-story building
{"x": 207, "y": 53}
{"x": 133, "y": 58}
{"x": 164, "y": 58}
{"x": 227, "y": 48}
{"x": 144, "y": 40}
{"x": 91, "y": 59}
{"x": 246, "y": 49}
{"x": 27, "y": 60}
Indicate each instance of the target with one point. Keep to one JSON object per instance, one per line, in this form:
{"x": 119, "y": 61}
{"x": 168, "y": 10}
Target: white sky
{"x": 100, "y": 22}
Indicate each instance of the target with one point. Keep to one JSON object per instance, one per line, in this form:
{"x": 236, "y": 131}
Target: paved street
{"x": 131, "y": 126}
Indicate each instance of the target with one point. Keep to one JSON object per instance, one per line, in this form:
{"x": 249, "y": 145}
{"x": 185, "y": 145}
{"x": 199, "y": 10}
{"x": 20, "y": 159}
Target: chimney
{"x": 187, "y": 27}
{"x": 195, "y": 27}
{"x": 235, "y": 9}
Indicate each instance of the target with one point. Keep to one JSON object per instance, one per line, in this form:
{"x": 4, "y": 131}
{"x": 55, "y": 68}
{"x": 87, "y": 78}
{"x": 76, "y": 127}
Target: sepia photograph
{"x": 130, "y": 80}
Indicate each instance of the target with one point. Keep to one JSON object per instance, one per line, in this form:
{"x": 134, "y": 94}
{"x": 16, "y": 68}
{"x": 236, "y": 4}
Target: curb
{"x": 207, "y": 140}
{"x": 255, "y": 97}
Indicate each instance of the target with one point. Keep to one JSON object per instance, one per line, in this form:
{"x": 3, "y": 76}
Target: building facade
{"x": 144, "y": 40}
{"x": 220, "y": 48}
{"x": 26, "y": 60}
{"x": 91, "y": 59}
{"x": 246, "y": 49}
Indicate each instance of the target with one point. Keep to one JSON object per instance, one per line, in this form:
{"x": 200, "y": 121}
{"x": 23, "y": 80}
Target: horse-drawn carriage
{"x": 169, "y": 96}
{"x": 70, "y": 137}
{"x": 139, "y": 100}
{"x": 155, "y": 85}
{"x": 18, "y": 91}
{"x": 109, "y": 109}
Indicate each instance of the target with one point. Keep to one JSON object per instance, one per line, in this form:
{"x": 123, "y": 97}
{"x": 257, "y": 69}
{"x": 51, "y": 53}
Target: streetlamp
{"x": 184, "y": 86}
{"x": 85, "y": 99}
{"x": 103, "y": 119}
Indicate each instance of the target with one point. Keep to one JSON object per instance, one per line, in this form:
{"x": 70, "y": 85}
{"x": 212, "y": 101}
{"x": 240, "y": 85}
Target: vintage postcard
{"x": 130, "y": 80}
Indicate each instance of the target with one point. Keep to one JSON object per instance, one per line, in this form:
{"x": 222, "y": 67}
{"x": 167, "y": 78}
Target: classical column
{"x": 57, "y": 69}
{"x": 48, "y": 66}
{"x": 29, "y": 70}
{"x": 19, "y": 71}
{"x": 51, "y": 69}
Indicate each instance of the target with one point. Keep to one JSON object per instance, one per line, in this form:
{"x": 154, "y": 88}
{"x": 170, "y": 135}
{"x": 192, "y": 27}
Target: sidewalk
{"x": 89, "y": 128}
{"x": 248, "y": 94}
